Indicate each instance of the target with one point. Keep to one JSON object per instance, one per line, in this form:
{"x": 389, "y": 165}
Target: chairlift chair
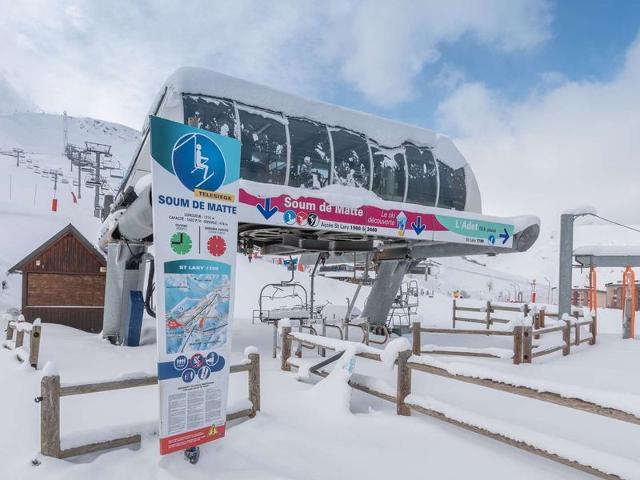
{"x": 404, "y": 307}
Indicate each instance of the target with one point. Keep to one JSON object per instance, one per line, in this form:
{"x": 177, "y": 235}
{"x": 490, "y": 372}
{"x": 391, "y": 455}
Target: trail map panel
{"x": 194, "y": 195}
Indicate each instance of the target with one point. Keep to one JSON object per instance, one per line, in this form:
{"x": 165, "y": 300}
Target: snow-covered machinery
{"x": 316, "y": 177}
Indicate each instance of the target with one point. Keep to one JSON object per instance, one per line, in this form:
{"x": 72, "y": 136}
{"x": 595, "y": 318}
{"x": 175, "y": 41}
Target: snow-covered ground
{"x": 305, "y": 431}
{"x": 308, "y": 432}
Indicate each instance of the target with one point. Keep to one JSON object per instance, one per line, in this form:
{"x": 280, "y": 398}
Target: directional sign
{"x": 417, "y": 226}
{"x": 504, "y": 236}
{"x": 266, "y": 210}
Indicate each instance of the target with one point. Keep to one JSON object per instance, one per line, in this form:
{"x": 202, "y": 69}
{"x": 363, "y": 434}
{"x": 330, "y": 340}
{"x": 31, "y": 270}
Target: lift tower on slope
{"x": 100, "y": 150}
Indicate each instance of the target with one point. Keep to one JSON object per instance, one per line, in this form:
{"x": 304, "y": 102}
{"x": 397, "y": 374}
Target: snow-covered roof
{"x": 608, "y": 250}
{"x": 581, "y": 210}
{"x": 390, "y": 133}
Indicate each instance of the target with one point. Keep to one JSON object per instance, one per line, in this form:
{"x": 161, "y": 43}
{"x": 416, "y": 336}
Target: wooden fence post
{"x": 9, "y": 335}
{"x": 454, "y": 313}
{"x": 527, "y": 347}
{"x": 542, "y": 318}
{"x": 593, "y": 327}
{"x": 536, "y": 324}
{"x": 566, "y": 338}
{"x": 404, "y": 383}
{"x": 517, "y": 344}
{"x": 285, "y": 352}
{"x": 50, "y": 416}
{"x": 34, "y": 346}
{"x": 577, "y": 335}
{"x": 254, "y": 383}
{"x": 366, "y": 333}
{"x": 19, "y": 337}
{"x": 417, "y": 341}
{"x": 488, "y": 314}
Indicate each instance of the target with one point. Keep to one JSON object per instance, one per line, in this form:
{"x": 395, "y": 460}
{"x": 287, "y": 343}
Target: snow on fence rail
{"x": 52, "y": 390}
{"x": 524, "y": 351}
{"x": 587, "y": 460}
{"x": 487, "y": 310}
{"x": 19, "y": 328}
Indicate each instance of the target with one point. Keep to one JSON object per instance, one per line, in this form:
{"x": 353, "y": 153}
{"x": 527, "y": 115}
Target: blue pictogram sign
{"x": 204, "y": 372}
{"x": 198, "y": 162}
{"x": 181, "y": 362}
{"x": 188, "y": 375}
{"x": 289, "y": 217}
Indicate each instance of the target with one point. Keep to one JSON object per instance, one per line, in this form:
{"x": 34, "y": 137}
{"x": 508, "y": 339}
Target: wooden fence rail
{"x": 19, "y": 329}
{"x": 518, "y": 333}
{"x": 52, "y": 391}
{"x": 487, "y": 310}
{"x": 405, "y": 404}
{"x": 524, "y": 350}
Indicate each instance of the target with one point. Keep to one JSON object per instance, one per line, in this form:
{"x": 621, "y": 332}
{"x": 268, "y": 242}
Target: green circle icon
{"x": 181, "y": 243}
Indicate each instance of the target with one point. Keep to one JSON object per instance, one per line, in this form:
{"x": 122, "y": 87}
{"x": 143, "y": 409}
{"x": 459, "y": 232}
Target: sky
{"x": 541, "y": 97}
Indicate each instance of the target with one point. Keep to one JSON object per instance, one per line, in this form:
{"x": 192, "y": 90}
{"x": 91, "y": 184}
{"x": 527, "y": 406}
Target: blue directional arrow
{"x": 266, "y": 211}
{"x": 504, "y": 236}
{"x": 417, "y": 226}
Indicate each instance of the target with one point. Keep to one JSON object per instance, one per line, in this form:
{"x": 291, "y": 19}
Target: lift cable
{"x": 616, "y": 223}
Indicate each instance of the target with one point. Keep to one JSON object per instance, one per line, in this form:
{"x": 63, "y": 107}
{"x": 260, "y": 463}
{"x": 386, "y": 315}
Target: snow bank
{"x": 621, "y": 401}
{"x": 336, "y": 344}
{"x": 390, "y": 353}
{"x": 332, "y": 395}
{"x": 498, "y": 352}
{"x": 103, "y": 434}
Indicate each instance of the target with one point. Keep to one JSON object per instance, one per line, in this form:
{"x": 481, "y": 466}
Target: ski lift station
{"x": 337, "y": 224}
{"x": 316, "y": 178}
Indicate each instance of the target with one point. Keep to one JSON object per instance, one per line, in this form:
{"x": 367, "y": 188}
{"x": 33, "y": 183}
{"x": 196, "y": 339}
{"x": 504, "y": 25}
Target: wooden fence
{"x": 18, "y": 329}
{"x": 488, "y": 319}
{"x": 52, "y": 391}
{"x": 406, "y": 363}
{"x": 524, "y": 350}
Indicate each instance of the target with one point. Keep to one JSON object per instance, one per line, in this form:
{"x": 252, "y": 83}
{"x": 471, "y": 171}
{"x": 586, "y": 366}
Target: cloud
{"x": 391, "y": 42}
{"x": 568, "y": 143}
{"x": 108, "y": 59}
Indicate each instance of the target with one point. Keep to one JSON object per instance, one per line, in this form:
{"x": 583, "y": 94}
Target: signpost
{"x": 195, "y": 177}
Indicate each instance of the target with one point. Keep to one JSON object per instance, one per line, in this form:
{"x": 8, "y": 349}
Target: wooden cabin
{"x": 63, "y": 281}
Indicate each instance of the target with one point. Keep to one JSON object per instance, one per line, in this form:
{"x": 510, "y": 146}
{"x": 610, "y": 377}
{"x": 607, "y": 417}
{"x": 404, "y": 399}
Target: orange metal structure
{"x": 629, "y": 288}
{"x": 592, "y": 299}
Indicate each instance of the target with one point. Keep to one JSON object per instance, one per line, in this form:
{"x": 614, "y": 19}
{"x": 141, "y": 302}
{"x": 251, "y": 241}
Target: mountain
{"x": 11, "y": 101}
{"x": 27, "y": 191}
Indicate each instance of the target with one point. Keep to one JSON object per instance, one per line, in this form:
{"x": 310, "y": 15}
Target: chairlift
{"x": 404, "y": 307}
{"x": 117, "y": 173}
{"x": 285, "y": 299}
